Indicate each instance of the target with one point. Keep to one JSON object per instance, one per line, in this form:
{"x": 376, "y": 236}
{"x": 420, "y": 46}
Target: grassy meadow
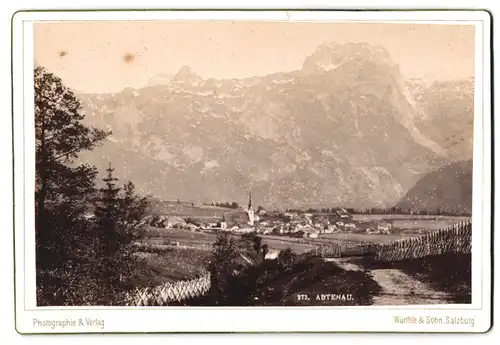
{"x": 406, "y": 222}
{"x": 176, "y": 254}
{"x": 169, "y": 265}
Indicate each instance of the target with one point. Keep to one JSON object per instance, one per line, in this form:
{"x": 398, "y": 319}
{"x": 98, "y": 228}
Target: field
{"x": 200, "y": 240}
{"x": 406, "y": 222}
{"x": 356, "y": 238}
{"x": 169, "y": 265}
{"x": 182, "y": 209}
{"x": 180, "y": 254}
{"x": 204, "y": 240}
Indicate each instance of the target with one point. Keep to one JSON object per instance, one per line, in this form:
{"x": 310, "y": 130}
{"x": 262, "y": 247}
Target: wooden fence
{"x": 363, "y": 249}
{"x": 331, "y": 250}
{"x": 170, "y": 293}
{"x": 455, "y": 239}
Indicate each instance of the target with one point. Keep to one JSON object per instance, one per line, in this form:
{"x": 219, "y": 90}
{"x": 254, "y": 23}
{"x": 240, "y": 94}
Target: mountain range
{"x": 448, "y": 188}
{"x": 346, "y": 129}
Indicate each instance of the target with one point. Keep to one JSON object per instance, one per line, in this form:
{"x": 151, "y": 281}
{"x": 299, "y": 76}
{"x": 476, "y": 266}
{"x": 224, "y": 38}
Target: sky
{"x": 102, "y": 57}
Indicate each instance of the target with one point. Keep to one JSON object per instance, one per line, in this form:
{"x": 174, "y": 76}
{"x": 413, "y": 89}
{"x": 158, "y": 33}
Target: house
{"x": 299, "y": 226}
{"x": 175, "y": 221}
{"x": 272, "y": 254}
{"x": 342, "y": 213}
{"x": 223, "y": 224}
{"x": 330, "y": 229}
{"x": 341, "y": 224}
{"x": 245, "y": 230}
{"x": 307, "y": 227}
{"x": 191, "y": 227}
{"x": 350, "y": 226}
{"x": 313, "y": 235}
{"x": 384, "y": 228}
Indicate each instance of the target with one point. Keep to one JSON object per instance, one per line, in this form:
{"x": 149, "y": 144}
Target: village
{"x": 294, "y": 224}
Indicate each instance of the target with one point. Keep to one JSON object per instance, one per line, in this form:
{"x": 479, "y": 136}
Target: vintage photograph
{"x": 243, "y": 164}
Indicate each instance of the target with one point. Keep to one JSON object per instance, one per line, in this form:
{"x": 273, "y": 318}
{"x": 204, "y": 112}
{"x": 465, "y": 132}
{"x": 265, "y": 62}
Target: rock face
{"x": 449, "y": 188}
{"x": 448, "y": 107}
{"x": 347, "y": 129}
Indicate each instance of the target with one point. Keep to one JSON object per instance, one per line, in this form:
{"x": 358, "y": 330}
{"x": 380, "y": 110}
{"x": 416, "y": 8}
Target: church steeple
{"x": 250, "y": 212}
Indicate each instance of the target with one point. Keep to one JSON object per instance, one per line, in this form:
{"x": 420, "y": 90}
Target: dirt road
{"x": 398, "y": 288}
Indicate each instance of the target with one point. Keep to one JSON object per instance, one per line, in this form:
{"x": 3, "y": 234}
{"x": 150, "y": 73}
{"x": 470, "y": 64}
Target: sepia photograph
{"x": 239, "y": 163}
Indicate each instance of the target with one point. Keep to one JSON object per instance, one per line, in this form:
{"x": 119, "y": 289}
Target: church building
{"x": 243, "y": 217}
{"x": 250, "y": 211}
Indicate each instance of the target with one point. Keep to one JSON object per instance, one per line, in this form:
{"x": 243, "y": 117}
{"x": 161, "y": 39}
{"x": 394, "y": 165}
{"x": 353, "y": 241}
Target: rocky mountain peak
{"x": 332, "y": 55}
{"x": 160, "y": 79}
{"x": 187, "y": 75}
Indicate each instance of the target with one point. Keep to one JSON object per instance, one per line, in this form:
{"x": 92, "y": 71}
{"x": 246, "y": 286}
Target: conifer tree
{"x": 118, "y": 212}
{"x": 60, "y": 136}
{"x": 107, "y": 214}
{"x": 62, "y": 189}
{"x": 222, "y": 267}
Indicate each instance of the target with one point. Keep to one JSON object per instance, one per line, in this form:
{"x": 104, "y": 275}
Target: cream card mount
{"x": 252, "y": 171}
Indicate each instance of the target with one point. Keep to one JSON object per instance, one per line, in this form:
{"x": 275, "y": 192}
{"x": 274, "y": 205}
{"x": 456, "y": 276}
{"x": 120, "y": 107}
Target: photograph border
{"x": 17, "y": 269}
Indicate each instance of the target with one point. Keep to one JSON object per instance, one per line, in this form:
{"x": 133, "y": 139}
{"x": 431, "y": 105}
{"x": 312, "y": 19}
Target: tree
{"x": 119, "y": 211}
{"x": 264, "y": 250}
{"x": 193, "y": 221}
{"x": 286, "y": 259}
{"x": 252, "y": 243}
{"x": 222, "y": 267}
{"x": 62, "y": 187}
{"x": 107, "y": 213}
{"x": 60, "y": 136}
